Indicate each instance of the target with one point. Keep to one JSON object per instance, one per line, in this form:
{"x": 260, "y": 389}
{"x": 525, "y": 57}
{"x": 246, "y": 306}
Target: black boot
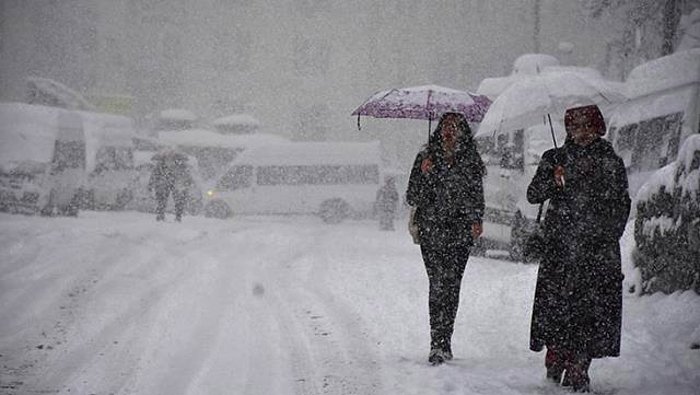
{"x": 436, "y": 357}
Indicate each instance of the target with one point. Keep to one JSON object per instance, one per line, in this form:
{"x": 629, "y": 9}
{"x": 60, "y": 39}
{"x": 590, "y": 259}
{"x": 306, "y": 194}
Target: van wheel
{"x": 217, "y": 209}
{"x": 334, "y": 211}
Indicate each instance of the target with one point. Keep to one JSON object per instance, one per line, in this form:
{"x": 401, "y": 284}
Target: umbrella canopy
{"x": 531, "y": 100}
{"x": 424, "y": 102}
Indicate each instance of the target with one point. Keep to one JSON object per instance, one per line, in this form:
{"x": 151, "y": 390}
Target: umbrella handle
{"x": 551, "y": 129}
{"x": 358, "y": 122}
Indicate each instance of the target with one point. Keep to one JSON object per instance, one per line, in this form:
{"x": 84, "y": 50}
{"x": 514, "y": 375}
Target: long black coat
{"x": 448, "y": 199}
{"x": 578, "y": 298}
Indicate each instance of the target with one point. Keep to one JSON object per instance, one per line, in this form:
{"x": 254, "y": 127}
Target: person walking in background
{"x": 170, "y": 176}
{"x": 577, "y": 310}
{"x": 445, "y": 189}
{"x": 386, "y": 203}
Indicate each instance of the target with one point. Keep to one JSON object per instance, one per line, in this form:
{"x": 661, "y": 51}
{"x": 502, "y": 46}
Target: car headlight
{"x": 210, "y": 193}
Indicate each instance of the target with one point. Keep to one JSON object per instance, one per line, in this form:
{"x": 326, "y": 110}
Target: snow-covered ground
{"x": 115, "y": 303}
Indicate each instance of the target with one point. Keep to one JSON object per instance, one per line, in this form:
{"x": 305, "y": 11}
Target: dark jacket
{"x": 170, "y": 173}
{"x": 578, "y": 298}
{"x": 449, "y": 198}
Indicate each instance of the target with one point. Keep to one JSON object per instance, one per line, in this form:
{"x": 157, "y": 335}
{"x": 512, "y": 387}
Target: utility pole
{"x": 536, "y": 30}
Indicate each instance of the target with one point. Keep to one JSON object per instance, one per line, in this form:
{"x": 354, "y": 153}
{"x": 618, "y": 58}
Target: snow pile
{"x": 688, "y": 176}
{"x": 667, "y": 224}
{"x": 237, "y": 124}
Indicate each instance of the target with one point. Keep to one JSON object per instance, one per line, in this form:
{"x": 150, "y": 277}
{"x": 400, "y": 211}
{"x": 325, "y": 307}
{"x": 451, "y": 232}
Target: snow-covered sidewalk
{"x": 115, "y": 303}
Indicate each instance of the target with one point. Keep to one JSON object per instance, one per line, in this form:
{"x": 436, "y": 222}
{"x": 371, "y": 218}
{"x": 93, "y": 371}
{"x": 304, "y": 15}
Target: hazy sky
{"x": 300, "y": 66}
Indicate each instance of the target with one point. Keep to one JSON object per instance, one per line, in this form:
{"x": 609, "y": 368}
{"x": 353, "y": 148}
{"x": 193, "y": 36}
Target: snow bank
{"x": 689, "y": 153}
{"x": 662, "y": 177}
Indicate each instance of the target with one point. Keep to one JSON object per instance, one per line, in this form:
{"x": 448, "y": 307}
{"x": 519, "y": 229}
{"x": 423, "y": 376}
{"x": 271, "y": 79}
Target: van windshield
{"x": 68, "y": 155}
{"x": 649, "y": 144}
{"x": 114, "y": 158}
{"x": 236, "y": 177}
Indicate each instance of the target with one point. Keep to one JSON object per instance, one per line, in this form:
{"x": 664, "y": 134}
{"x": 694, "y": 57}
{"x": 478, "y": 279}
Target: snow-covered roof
{"x": 652, "y": 106}
{"x": 667, "y": 72}
{"x": 533, "y": 63}
{"x": 28, "y": 132}
{"x": 312, "y": 153}
{"x": 208, "y": 138}
{"x": 237, "y": 119}
{"x": 64, "y": 95}
{"x": 178, "y": 114}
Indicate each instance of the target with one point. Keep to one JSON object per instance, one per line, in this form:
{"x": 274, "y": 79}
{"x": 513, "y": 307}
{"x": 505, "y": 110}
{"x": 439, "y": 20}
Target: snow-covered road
{"x": 115, "y": 303}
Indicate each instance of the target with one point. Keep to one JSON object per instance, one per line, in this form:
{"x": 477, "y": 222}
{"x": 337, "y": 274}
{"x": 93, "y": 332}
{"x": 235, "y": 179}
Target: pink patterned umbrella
{"x": 423, "y": 102}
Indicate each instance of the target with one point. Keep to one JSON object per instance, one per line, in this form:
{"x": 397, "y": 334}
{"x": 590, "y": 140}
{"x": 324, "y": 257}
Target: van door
{"x": 67, "y": 170}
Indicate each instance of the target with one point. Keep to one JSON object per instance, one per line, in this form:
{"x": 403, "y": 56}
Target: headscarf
{"x": 590, "y": 113}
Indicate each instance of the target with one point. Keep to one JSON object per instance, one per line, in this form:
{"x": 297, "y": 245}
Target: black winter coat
{"x": 578, "y": 298}
{"x": 448, "y": 199}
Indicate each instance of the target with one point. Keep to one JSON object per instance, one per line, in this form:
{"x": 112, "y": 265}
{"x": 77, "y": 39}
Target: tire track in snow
{"x": 328, "y": 345}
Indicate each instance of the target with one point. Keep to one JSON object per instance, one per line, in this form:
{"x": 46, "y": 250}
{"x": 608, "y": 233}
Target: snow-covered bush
{"x": 667, "y": 225}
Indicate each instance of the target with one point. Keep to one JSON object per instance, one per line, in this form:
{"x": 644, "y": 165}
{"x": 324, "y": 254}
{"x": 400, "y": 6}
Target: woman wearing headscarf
{"x": 445, "y": 189}
{"x": 577, "y": 311}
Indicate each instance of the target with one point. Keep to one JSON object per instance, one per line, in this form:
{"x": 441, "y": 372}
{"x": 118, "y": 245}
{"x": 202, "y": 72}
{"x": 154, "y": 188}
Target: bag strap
{"x": 539, "y": 212}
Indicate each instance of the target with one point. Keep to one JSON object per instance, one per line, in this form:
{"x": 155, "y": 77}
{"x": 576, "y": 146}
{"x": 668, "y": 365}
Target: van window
{"x": 68, "y": 155}
{"x": 318, "y": 175}
{"x": 236, "y": 177}
{"x": 512, "y": 152}
{"x": 656, "y": 142}
{"x": 114, "y": 158}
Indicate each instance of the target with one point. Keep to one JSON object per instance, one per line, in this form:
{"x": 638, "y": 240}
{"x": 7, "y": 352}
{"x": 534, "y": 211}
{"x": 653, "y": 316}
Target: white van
{"x": 42, "y": 159}
{"x": 35, "y": 140}
{"x": 662, "y": 111}
{"x": 511, "y": 162}
{"x": 333, "y": 180}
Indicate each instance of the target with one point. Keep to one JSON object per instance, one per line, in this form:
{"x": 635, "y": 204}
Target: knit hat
{"x": 590, "y": 114}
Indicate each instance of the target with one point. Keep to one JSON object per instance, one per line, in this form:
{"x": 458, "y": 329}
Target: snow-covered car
{"x": 667, "y": 225}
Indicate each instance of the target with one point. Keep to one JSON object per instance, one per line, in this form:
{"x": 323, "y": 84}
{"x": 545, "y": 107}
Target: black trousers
{"x": 445, "y": 267}
{"x": 179, "y": 199}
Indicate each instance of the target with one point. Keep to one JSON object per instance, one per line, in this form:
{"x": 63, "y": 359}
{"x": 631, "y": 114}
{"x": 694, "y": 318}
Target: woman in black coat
{"x": 445, "y": 188}
{"x": 577, "y": 310}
